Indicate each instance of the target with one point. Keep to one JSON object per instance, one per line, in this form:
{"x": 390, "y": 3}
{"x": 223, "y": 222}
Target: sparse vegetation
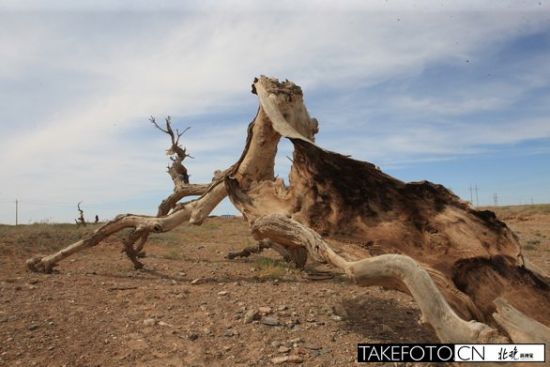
{"x": 272, "y": 268}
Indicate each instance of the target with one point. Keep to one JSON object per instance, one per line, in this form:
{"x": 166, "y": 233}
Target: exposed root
{"x": 297, "y": 256}
{"x": 249, "y": 250}
{"x": 382, "y": 270}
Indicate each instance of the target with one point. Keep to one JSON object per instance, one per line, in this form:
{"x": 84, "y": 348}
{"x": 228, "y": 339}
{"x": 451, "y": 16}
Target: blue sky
{"x": 453, "y": 92}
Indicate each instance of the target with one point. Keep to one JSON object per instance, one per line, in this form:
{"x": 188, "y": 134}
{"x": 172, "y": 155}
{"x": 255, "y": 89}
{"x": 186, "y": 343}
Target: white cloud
{"x": 106, "y": 72}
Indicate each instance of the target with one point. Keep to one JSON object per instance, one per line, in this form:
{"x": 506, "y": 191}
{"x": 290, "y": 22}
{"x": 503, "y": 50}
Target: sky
{"x": 457, "y": 93}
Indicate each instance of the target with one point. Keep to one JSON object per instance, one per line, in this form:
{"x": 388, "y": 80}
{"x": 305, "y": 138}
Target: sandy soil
{"x": 190, "y": 306}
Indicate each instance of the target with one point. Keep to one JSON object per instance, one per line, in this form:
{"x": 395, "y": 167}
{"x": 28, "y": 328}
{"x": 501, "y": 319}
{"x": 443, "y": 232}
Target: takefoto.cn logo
{"x": 451, "y": 353}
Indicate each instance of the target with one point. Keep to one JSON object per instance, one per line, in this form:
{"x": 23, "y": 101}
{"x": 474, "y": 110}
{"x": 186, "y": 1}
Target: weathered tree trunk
{"x": 416, "y": 237}
{"x": 470, "y": 255}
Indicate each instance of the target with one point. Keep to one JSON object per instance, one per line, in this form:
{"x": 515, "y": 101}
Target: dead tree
{"x": 464, "y": 267}
{"x": 176, "y": 170}
{"x": 80, "y": 221}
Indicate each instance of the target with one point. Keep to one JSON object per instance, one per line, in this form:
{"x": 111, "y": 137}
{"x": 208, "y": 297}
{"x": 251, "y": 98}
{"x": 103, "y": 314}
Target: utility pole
{"x": 477, "y": 197}
{"x": 495, "y": 199}
{"x": 471, "y": 196}
{"x": 16, "y": 212}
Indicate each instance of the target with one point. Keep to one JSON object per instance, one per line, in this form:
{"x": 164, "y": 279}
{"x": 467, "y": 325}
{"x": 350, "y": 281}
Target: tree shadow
{"x": 384, "y": 319}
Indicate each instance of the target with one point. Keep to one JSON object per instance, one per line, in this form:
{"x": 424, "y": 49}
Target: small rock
{"x": 193, "y": 336}
{"x": 287, "y": 359}
{"x": 270, "y": 321}
{"x": 336, "y": 318}
{"x": 162, "y": 323}
{"x": 229, "y": 333}
{"x": 312, "y": 346}
{"x": 275, "y": 344}
{"x": 282, "y": 308}
{"x": 195, "y": 281}
{"x": 283, "y": 349}
{"x": 32, "y": 327}
{"x": 149, "y": 322}
{"x": 223, "y": 293}
{"x": 250, "y": 316}
{"x": 265, "y": 310}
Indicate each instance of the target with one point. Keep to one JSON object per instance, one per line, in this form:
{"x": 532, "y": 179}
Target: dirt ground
{"x": 188, "y": 307}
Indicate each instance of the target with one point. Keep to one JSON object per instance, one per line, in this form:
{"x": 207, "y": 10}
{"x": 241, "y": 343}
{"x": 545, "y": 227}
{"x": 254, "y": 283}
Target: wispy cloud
{"x": 78, "y": 81}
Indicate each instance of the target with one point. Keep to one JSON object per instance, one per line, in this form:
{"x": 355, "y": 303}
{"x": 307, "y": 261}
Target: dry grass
{"x": 519, "y": 210}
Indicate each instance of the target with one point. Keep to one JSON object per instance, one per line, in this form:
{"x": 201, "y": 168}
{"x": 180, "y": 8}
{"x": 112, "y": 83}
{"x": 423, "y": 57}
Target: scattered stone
{"x": 32, "y": 327}
{"x": 193, "y": 336}
{"x": 312, "y": 347}
{"x": 336, "y": 318}
{"x": 149, "y": 322}
{"x": 270, "y": 321}
{"x": 283, "y": 349}
{"x": 223, "y": 293}
{"x": 265, "y": 310}
{"x": 296, "y": 341}
{"x": 162, "y": 323}
{"x": 250, "y": 316}
{"x": 229, "y": 333}
{"x": 195, "y": 281}
{"x": 282, "y": 308}
{"x": 287, "y": 359}
{"x": 275, "y": 344}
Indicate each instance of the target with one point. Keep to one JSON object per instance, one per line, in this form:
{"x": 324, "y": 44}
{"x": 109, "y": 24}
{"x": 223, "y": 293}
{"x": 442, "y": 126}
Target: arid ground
{"x": 191, "y": 306}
